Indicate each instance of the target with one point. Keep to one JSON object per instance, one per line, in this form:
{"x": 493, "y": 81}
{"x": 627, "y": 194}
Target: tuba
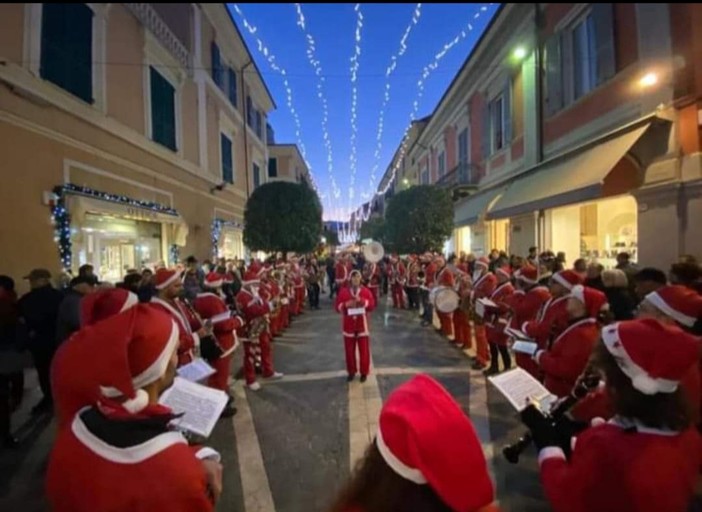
{"x": 373, "y": 252}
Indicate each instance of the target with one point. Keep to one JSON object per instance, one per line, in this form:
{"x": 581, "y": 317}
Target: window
{"x": 425, "y": 176}
{"x": 258, "y": 124}
{"x": 231, "y": 90}
{"x": 217, "y": 67}
{"x": 249, "y": 111}
{"x": 67, "y": 48}
{"x": 463, "y": 147}
{"x": 227, "y": 159}
{"x": 256, "y": 175}
{"x": 497, "y": 127}
{"x": 272, "y": 167}
{"x": 163, "y": 120}
{"x": 442, "y": 164}
{"x": 584, "y": 57}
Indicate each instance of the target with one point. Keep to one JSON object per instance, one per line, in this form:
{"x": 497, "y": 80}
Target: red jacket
{"x": 398, "y": 274}
{"x": 209, "y": 305}
{"x": 484, "y": 286}
{"x": 430, "y": 275}
{"x": 341, "y": 274}
{"x": 613, "y": 469}
{"x": 252, "y": 307}
{"x": 356, "y": 325}
{"x": 525, "y": 309}
{"x": 495, "y": 325}
{"x": 374, "y": 277}
{"x": 445, "y": 278}
{"x": 189, "y": 339}
{"x": 551, "y": 321}
{"x": 568, "y": 356}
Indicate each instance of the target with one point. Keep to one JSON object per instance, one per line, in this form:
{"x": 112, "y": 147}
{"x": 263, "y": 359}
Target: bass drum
{"x": 446, "y": 300}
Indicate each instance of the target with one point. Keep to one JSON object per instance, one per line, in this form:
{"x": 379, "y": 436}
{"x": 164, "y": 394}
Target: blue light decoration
{"x": 217, "y": 225}
{"x": 62, "y": 220}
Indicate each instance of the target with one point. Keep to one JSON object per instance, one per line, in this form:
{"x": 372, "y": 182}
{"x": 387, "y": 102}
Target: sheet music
{"x": 525, "y": 347}
{"x": 201, "y": 405}
{"x": 517, "y": 334}
{"x": 196, "y": 371}
{"x": 518, "y": 386}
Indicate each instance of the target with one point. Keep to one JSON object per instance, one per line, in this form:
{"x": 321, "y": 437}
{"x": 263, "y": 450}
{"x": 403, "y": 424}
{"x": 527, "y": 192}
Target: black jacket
{"x": 621, "y": 303}
{"x": 39, "y": 309}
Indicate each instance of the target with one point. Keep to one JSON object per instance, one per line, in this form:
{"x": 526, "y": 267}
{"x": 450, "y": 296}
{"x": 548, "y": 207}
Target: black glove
{"x": 566, "y": 428}
{"x": 542, "y": 429}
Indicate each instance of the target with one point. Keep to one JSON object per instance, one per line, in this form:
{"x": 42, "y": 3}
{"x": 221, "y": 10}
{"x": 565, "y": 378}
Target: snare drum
{"x": 446, "y": 300}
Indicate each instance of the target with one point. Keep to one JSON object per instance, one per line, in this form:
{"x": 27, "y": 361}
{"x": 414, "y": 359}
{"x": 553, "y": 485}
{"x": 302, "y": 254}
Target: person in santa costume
{"x": 647, "y": 457}
{"x": 445, "y": 279}
{"x": 484, "y": 284}
{"x": 75, "y": 390}
{"x": 398, "y": 279}
{"x": 169, "y": 290}
{"x": 563, "y": 363}
{"x": 299, "y": 285}
{"x": 354, "y": 302}
{"x": 430, "y": 269}
{"x": 496, "y": 322}
{"x": 426, "y": 457}
{"x": 255, "y": 333}
{"x": 552, "y": 318}
{"x": 372, "y": 276}
{"x": 119, "y": 454}
{"x": 210, "y": 306}
{"x": 526, "y": 308}
{"x": 412, "y": 288}
{"x": 461, "y": 317}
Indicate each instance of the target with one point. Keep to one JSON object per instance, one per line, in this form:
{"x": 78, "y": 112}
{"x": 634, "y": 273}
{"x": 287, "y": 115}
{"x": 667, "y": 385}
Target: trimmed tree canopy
{"x": 283, "y": 216}
{"x": 419, "y": 219}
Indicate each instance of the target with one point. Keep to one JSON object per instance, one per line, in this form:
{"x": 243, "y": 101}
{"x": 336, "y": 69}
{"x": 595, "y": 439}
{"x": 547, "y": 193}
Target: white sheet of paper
{"x": 201, "y": 405}
{"x": 518, "y": 386}
{"x": 196, "y": 371}
{"x": 221, "y": 317}
{"x": 356, "y": 311}
{"x": 525, "y": 347}
{"x": 516, "y": 334}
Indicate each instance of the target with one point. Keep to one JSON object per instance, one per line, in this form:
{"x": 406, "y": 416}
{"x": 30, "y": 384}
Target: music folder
{"x": 520, "y": 388}
{"x": 482, "y": 306}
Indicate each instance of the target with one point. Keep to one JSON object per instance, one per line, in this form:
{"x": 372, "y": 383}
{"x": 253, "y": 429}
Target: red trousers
{"x": 461, "y": 328}
{"x": 251, "y": 350}
{"x": 398, "y": 298}
{"x": 481, "y": 342}
{"x": 363, "y": 343}
{"x": 446, "y": 324}
{"x": 220, "y": 380}
{"x": 300, "y": 299}
{"x": 285, "y": 317}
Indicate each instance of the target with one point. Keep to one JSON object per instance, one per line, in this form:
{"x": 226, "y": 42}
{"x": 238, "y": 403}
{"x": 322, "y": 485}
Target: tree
{"x": 419, "y": 219}
{"x": 374, "y": 228}
{"x": 283, "y": 216}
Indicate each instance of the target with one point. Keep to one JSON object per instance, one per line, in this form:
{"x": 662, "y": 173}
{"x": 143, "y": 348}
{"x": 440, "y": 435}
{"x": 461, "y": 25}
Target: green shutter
{"x": 603, "y": 20}
{"x": 256, "y": 176}
{"x": 232, "y": 86}
{"x": 163, "y": 120}
{"x": 272, "y": 167}
{"x": 227, "y": 160}
{"x": 216, "y": 65}
{"x": 67, "y": 48}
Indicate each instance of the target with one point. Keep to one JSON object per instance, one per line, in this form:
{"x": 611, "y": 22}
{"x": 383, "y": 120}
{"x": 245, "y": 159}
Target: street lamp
{"x": 648, "y": 80}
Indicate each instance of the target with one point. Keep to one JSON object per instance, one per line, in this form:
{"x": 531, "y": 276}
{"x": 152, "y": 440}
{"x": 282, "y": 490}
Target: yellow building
{"x": 140, "y": 126}
{"x": 285, "y": 163}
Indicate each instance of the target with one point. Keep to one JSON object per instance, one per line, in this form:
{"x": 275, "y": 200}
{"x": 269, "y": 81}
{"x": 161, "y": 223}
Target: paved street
{"x": 292, "y": 444}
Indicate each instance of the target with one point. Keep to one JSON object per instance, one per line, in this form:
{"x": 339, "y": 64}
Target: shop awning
{"x": 469, "y": 210}
{"x": 564, "y": 180}
{"x": 78, "y": 205}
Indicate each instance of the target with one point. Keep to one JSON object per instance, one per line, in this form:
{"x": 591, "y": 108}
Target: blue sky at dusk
{"x": 333, "y": 28}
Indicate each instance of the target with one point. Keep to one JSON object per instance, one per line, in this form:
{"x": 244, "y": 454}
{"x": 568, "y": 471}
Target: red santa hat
{"x": 165, "y": 277}
{"x": 593, "y": 300}
{"x": 105, "y": 303}
{"x": 653, "y": 355}
{"x": 679, "y": 303}
{"x": 253, "y": 273}
{"x": 214, "y": 280}
{"x": 126, "y": 352}
{"x": 425, "y": 438}
{"x": 529, "y": 274}
{"x": 483, "y": 262}
{"x": 568, "y": 278}
{"x": 505, "y": 271}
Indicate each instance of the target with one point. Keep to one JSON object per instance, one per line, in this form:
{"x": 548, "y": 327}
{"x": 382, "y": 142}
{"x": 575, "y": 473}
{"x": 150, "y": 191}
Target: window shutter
{"x": 216, "y": 65}
{"x": 227, "y": 164}
{"x": 554, "y": 75}
{"x": 272, "y": 167}
{"x": 163, "y": 122}
{"x": 486, "y": 131}
{"x": 249, "y": 111}
{"x": 232, "y": 86}
{"x": 603, "y": 18}
{"x": 256, "y": 176}
{"x": 507, "y": 112}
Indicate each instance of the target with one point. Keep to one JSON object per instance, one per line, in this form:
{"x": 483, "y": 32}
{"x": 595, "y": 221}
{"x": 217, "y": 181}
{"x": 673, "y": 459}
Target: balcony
{"x": 461, "y": 180}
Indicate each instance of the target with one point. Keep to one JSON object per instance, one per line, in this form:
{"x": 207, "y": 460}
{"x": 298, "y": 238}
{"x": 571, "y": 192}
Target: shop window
{"x": 272, "y": 167}
{"x": 256, "y": 175}
{"x": 163, "y": 119}
{"x": 227, "y": 159}
{"x": 67, "y": 47}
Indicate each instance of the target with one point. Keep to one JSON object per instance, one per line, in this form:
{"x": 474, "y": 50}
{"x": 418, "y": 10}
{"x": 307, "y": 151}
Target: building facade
{"x": 285, "y": 163}
{"x": 598, "y": 153}
{"x": 132, "y": 134}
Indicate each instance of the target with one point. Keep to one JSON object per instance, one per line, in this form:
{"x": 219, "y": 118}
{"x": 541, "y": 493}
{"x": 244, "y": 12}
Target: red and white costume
{"x": 461, "y": 317}
{"x": 341, "y": 274}
{"x": 398, "y": 279}
{"x": 444, "y": 278}
{"x": 526, "y": 309}
{"x": 495, "y": 326}
{"x": 374, "y": 278}
{"x": 483, "y": 287}
{"x": 355, "y": 327}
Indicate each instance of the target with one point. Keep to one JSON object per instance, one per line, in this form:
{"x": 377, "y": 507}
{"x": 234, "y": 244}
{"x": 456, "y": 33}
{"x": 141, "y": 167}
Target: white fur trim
{"x": 639, "y": 377}
{"x": 399, "y": 467}
{"x": 214, "y": 284}
{"x": 655, "y": 299}
{"x": 138, "y": 403}
{"x": 584, "y": 321}
{"x": 578, "y": 292}
{"x": 524, "y": 278}
{"x": 562, "y": 281}
{"x": 551, "y": 452}
{"x": 248, "y": 283}
{"x": 132, "y": 300}
{"x": 208, "y": 453}
{"x": 503, "y": 272}
{"x": 167, "y": 282}
{"x": 538, "y": 355}
{"x": 131, "y": 455}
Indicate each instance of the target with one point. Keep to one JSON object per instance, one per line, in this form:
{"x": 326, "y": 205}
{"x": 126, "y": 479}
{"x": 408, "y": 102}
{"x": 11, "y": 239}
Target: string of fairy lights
{"x": 355, "y": 65}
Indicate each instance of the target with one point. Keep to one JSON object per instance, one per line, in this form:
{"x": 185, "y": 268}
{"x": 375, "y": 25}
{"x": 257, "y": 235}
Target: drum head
{"x": 447, "y": 300}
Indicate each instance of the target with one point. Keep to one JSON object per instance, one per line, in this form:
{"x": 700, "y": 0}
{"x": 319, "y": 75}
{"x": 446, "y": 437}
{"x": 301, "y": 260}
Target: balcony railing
{"x": 461, "y": 179}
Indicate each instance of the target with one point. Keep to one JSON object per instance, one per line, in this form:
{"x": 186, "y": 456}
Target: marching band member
{"x": 647, "y": 457}
{"x": 299, "y": 285}
{"x": 563, "y": 363}
{"x": 461, "y": 317}
{"x": 412, "y": 288}
{"x": 484, "y": 284}
{"x": 169, "y": 289}
{"x": 271, "y": 281}
{"x": 372, "y": 278}
{"x": 445, "y": 279}
{"x": 398, "y": 279}
{"x": 525, "y": 308}
{"x": 426, "y": 288}
{"x": 496, "y": 323}
{"x": 341, "y": 273}
{"x": 354, "y": 303}
{"x": 211, "y": 306}
{"x": 255, "y": 332}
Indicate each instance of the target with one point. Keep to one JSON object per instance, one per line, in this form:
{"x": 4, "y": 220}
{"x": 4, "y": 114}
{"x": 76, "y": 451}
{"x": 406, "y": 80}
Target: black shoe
{"x": 364, "y": 378}
{"x": 228, "y": 412}
{"x": 350, "y": 378}
{"x": 259, "y": 370}
{"x": 10, "y": 442}
{"x": 45, "y": 405}
{"x": 478, "y": 366}
{"x": 491, "y": 371}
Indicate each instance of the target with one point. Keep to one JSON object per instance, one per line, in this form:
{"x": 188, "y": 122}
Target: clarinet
{"x": 589, "y": 382}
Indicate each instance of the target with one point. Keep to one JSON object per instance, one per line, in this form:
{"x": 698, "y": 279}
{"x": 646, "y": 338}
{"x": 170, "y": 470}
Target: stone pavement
{"x": 293, "y": 443}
